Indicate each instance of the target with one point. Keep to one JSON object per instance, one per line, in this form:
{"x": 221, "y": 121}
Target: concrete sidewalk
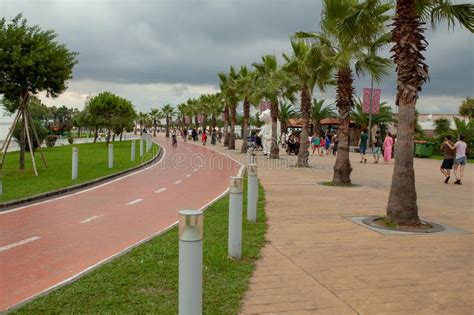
{"x": 318, "y": 261}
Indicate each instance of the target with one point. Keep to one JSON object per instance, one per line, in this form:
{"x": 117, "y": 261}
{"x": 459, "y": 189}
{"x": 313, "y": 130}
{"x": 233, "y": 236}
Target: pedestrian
{"x": 315, "y": 142}
{"x": 194, "y": 134}
{"x": 335, "y": 141}
{"x": 363, "y": 146}
{"x": 460, "y": 159}
{"x": 327, "y": 143}
{"x": 378, "y": 143}
{"x": 387, "y": 147}
{"x": 213, "y": 136}
{"x": 322, "y": 145}
{"x": 448, "y": 158}
{"x": 204, "y": 137}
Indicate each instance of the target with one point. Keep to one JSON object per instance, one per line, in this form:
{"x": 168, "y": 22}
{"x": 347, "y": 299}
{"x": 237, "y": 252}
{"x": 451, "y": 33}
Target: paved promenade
{"x": 317, "y": 261}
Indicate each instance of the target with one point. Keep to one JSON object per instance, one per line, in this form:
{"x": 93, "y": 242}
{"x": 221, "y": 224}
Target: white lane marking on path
{"x": 134, "y": 202}
{"x": 189, "y": 175}
{"x": 160, "y": 190}
{"x": 91, "y": 218}
{"x": 177, "y": 182}
{"x": 31, "y": 239}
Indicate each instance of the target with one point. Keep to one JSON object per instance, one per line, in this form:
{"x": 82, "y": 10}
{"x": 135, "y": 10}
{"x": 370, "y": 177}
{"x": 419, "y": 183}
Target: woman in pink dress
{"x": 387, "y": 147}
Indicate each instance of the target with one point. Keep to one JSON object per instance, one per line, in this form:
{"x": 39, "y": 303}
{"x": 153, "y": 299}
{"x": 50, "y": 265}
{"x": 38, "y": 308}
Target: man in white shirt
{"x": 460, "y": 160}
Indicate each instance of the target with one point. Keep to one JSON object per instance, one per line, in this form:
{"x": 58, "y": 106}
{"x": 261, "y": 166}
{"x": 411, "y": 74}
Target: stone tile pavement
{"x": 319, "y": 262}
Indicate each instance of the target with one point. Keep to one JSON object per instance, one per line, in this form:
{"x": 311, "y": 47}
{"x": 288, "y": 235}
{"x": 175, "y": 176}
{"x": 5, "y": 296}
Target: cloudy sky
{"x": 155, "y": 52}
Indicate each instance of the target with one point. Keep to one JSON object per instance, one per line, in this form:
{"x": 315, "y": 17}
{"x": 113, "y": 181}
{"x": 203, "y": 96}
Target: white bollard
{"x": 149, "y": 143}
{"x": 235, "y": 217}
{"x": 111, "y": 155}
{"x": 141, "y": 146}
{"x": 250, "y": 158}
{"x": 252, "y": 192}
{"x": 75, "y": 162}
{"x": 190, "y": 262}
{"x": 132, "y": 158}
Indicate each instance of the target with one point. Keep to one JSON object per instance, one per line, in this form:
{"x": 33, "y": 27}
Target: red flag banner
{"x": 375, "y": 101}
{"x": 264, "y": 106}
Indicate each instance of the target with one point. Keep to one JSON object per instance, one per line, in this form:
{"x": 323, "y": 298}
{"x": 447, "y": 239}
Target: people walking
{"x": 460, "y": 159}
{"x": 315, "y": 142}
{"x": 363, "y": 146}
{"x": 448, "y": 158}
{"x": 387, "y": 147}
{"x": 377, "y": 146}
{"x": 327, "y": 142}
{"x": 204, "y": 137}
{"x": 335, "y": 143}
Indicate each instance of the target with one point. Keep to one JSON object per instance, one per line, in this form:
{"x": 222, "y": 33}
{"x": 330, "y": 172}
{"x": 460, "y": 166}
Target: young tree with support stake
{"x": 31, "y": 61}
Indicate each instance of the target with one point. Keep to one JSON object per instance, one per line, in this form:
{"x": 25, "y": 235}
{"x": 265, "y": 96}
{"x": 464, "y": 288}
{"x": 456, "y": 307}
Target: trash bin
{"x": 424, "y": 150}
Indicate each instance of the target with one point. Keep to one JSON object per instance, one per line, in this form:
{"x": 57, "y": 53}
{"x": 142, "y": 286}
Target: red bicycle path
{"x": 49, "y": 243}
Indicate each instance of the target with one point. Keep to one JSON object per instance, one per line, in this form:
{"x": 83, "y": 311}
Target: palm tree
{"x": 349, "y": 28}
{"x": 287, "y": 112}
{"x": 217, "y": 106}
{"x": 156, "y": 115}
{"x": 319, "y": 112}
{"x": 142, "y": 120}
{"x": 384, "y": 116}
{"x": 229, "y": 92}
{"x": 272, "y": 84}
{"x": 245, "y": 86}
{"x": 412, "y": 73}
{"x": 307, "y": 67}
{"x": 168, "y": 112}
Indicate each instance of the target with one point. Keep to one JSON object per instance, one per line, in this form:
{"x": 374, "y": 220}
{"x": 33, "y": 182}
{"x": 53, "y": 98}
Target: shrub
{"x": 51, "y": 140}
{"x": 70, "y": 139}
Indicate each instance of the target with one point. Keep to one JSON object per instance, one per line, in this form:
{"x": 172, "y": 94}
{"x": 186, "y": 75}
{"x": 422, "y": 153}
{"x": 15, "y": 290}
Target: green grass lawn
{"x": 93, "y": 163}
{"x": 145, "y": 280}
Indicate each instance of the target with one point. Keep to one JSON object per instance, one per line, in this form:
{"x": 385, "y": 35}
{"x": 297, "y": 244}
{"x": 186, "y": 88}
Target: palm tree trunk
{"x": 233, "y": 122}
{"x": 78, "y": 132}
{"x": 123, "y": 129}
{"x": 344, "y": 101}
{"x": 275, "y": 150}
{"x": 167, "y": 127}
{"x": 154, "y": 127}
{"x": 305, "y": 108}
{"x": 283, "y": 126}
{"x": 411, "y": 74}
{"x": 245, "y": 127}
{"x": 226, "y": 126}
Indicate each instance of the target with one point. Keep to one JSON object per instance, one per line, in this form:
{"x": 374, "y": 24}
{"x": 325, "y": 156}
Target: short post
{"x": 190, "y": 262}
{"x": 132, "y": 158}
{"x": 75, "y": 160}
{"x": 111, "y": 155}
{"x": 252, "y": 192}
{"x": 250, "y": 157}
{"x": 141, "y": 146}
{"x": 235, "y": 217}
{"x": 150, "y": 142}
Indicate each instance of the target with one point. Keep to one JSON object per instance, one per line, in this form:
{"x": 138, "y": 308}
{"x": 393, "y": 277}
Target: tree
{"x": 412, "y": 73}
{"x": 79, "y": 120}
{"x": 169, "y": 112}
{"x": 245, "y": 85}
{"x": 31, "y": 61}
{"x": 465, "y": 128}
{"x": 272, "y": 84}
{"x": 308, "y": 67}
{"x": 352, "y": 30}
{"x": 229, "y": 92}
{"x": 319, "y": 112}
{"x": 156, "y": 115}
{"x": 467, "y": 108}
{"x": 384, "y": 116}
{"x": 104, "y": 107}
{"x": 124, "y": 116}
{"x": 286, "y": 112}
{"x": 442, "y": 126}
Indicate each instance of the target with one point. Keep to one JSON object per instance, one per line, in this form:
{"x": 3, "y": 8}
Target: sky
{"x": 154, "y": 52}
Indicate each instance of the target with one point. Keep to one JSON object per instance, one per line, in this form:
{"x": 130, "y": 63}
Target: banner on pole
{"x": 375, "y": 101}
{"x": 264, "y": 106}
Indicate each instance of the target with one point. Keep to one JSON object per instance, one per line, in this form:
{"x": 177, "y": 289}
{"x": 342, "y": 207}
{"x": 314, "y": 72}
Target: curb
{"x": 6, "y": 205}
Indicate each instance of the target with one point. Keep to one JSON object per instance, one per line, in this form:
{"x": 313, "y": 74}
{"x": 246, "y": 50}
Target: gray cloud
{"x": 186, "y": 42}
